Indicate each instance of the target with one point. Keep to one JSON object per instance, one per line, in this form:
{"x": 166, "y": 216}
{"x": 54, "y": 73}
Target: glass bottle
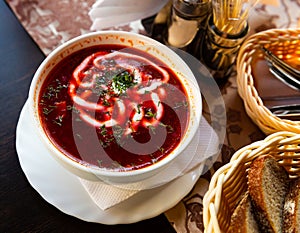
{"x": 186, "y": 18}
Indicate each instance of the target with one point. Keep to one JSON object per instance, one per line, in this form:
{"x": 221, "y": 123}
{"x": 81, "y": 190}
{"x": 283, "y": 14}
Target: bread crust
{"x": 242, "y": 219}
{"x": 291, "y": 209}
{"x": 267, "y": 181}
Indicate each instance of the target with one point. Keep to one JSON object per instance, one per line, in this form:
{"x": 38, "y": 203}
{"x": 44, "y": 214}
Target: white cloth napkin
{"x": 110, "y": 13}
{"x": 204, "y": 145}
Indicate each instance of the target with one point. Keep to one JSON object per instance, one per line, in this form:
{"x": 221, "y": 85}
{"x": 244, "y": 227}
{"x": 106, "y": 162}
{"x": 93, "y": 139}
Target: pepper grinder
{"x": 187, "y": 18}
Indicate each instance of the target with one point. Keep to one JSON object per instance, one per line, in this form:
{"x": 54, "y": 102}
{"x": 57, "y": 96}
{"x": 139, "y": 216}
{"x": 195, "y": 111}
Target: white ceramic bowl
{"x": 165, "y": 54}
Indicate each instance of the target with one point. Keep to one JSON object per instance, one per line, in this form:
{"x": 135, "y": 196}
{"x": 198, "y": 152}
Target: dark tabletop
{"x": 22, "y": 209}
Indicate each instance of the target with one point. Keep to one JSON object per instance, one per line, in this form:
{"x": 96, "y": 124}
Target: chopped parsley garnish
{"x": 122, "y": 81}
{"x": 58, "y": 120}
{"x": 150, "y": 114}
{"x": 106, "y": 102}
{"x": 139, "y": 108}
{"x": 53, "y": 90}
{"x": 168, "y": 127}
{"x": 118, "y": 130}
{"x": 46, "y": 111}
{"x": 103, "y": 130}
{"x": 161, "y": 149}
{"x": 181, "y": 104}
{"x": 72, "y": 108}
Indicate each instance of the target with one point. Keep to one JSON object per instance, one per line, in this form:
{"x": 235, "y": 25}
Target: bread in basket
{"x": 229, "y": 183}
{"x": 282, "y": 42}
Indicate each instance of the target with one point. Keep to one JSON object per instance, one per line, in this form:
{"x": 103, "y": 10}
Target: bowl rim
{"x": 93, "y": 169}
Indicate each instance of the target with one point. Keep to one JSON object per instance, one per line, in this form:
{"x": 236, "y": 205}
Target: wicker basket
{"x": 229, "y": 182}
{"x": 280, "y": 41}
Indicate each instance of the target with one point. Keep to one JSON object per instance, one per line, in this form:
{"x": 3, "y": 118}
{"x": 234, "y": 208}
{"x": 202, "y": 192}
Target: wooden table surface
{"x": 22, "y": 209}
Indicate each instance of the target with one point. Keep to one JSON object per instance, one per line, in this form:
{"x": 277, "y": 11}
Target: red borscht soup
{"x": 115, "y": 107}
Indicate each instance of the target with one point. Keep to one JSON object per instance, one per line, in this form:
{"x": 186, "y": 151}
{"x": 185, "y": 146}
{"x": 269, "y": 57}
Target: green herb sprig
{"x": 122, "y": 81}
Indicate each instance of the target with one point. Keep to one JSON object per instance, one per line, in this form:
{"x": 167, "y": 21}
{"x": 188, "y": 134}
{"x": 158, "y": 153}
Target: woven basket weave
{"x": 281, "y": 42}
{"x": 229, "y": 182}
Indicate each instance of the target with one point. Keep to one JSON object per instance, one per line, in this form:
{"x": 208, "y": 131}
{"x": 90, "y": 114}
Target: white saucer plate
{"x": 64, "y": 190}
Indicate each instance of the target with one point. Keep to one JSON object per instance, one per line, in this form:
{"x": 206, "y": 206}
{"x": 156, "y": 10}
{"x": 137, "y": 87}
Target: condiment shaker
{"x": 186, "y": 19}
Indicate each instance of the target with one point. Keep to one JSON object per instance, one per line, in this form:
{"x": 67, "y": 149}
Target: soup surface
{"x": 114, "y": 107}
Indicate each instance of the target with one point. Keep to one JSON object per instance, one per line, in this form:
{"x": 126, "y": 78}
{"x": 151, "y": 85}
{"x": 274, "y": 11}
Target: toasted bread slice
{"x": 291, "y": 212}
{"x": 268, "y": 185}
{"x": 242, "y": 219}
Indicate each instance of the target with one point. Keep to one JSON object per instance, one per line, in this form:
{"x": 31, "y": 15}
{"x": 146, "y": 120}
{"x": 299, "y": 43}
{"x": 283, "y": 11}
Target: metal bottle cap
{"x": 191, "y": 8}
